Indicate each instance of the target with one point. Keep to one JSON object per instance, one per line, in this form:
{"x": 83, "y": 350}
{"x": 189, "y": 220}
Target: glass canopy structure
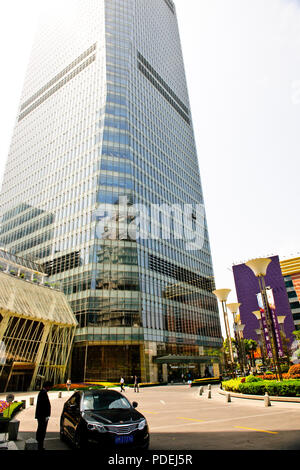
{"x": 37, "y": 328}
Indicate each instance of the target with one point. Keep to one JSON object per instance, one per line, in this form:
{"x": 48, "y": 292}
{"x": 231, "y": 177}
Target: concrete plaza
{"x": 180, "y": 419}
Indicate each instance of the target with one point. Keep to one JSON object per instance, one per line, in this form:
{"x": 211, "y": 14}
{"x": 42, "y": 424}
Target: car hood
{"x": 113, "y": 416}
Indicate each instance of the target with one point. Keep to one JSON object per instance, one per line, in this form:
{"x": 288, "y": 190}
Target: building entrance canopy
{"x": 185, "y": 359}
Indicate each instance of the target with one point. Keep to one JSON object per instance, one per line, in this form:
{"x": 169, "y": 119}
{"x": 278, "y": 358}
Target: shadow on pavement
{"x": 238, "y": 440}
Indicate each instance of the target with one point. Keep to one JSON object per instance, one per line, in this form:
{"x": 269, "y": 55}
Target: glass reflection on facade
{"x": 105, "y": 115}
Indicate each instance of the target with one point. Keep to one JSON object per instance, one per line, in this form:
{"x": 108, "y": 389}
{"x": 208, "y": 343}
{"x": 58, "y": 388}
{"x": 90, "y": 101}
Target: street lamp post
{"x": 222, "y": 295}
{"x": 257, "y": 313}
{"x": 259, "y": 268}
{"x": 240, "y": 329}
{"x": 281, "y": 319}
{"x": 234, "y": 307}
{"x": 259, "y": 333}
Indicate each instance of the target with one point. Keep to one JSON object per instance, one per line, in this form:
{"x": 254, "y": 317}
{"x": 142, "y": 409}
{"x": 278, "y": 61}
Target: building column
{"x": 165, "y": 372}
{"x": 47, "y": 327}
{"x": 151, "y": 367}
{"x": 216, "y": 369}
{"x": 143, "y": 365}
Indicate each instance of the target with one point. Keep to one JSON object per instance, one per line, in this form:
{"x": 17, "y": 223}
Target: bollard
{"x": 24, "y": 404}
{"x": 13, "y": 429}
{"x": 31, "y": 444}
{"x": 209, "y": 394}
{"x": 209, "y": 387}
{"x": 31, "y": 401}
{"x": 228, "y": 398}
{"x": 201, "y": 391}
{"x": 267, "y": 399}
{"x": 59, "y": 394}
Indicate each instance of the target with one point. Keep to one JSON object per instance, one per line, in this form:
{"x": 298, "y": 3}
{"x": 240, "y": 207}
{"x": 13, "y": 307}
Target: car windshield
{"x": 104, "y": 402}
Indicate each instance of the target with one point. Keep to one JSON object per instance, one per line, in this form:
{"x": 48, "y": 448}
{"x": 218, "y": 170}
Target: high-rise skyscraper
{"x": 105, "y": 118}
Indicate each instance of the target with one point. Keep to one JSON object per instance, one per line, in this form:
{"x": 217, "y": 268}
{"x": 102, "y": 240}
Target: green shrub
{"x": 231, "y": 385}
{"x": 252, "y": 388}
{"x": 286, "y": 388}
{"x": 252, "y": 378}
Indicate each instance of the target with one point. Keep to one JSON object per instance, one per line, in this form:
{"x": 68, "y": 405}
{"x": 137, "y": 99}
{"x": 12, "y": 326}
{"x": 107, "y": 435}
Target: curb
{"x": 260, "y": 397}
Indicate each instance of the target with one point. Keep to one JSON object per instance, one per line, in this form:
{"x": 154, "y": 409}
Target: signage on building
{"x": 271, "y": 302}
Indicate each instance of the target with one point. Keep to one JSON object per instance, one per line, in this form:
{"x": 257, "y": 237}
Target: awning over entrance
{"x": 185, "y": 359}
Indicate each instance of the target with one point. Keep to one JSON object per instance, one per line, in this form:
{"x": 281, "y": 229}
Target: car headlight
{"x": 96, "y": 427}
{"x": 142, "y": 424}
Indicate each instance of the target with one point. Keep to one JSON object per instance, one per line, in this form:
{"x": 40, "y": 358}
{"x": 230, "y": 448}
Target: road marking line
{"x": 191, "y": 419}
{"x": 262, "y": 415}
{"x": 258, "y": 430}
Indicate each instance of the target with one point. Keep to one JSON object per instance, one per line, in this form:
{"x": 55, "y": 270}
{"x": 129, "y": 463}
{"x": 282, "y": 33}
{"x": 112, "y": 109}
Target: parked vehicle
{"x": 104, "y": 418}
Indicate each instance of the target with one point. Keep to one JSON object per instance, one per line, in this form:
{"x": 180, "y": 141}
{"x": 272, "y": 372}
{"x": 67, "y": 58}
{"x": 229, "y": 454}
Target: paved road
{"x": 180, "y": 419}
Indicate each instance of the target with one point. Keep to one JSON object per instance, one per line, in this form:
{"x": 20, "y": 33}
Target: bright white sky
{"x": 242, "y": 61}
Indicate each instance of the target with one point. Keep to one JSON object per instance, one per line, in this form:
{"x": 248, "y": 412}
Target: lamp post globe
{"x": 257, "y": 313}
{"x": 222, "y": 294}
{"x": 259, "y": 266}
{"x": 234, "y": 307}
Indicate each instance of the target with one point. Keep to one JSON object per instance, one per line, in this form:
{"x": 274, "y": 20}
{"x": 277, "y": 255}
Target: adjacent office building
{"x": 247, "y": 288}
{"x": 105, "y": 117}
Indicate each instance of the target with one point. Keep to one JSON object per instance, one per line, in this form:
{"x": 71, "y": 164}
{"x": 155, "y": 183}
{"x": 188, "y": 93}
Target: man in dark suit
{"x": 42, "y": 414}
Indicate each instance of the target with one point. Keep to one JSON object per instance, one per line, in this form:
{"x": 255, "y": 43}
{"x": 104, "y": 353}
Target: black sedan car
{"x": 105, "y": 418}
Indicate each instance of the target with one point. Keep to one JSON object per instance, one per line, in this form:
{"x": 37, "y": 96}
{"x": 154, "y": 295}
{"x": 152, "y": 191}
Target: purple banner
{"x": 264, "y": 325}
{"x": 271, "y": 303}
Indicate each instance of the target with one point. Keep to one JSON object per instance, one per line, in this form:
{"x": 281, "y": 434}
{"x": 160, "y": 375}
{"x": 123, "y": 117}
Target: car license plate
{"x": 124, "y": 439}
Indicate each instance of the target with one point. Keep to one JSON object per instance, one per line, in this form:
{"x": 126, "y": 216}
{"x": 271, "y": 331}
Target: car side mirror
{"x": 134, "y": 404}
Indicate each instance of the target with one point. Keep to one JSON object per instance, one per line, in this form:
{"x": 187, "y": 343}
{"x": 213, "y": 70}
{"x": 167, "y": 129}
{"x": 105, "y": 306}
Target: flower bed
{"x": 3, "y": 406}
{"x": 149, "y": 384}
{"x": 285, "y": 388}
{"x": 8, "y": 410}
{"x": 285, "y": 376}
{"x": 206, "y": 381}
{"x": 104, "y": 384}
{"x": 76, "y": 386}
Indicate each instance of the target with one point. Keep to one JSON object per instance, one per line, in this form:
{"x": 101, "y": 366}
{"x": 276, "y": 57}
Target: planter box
{"x": 4, "y": 423}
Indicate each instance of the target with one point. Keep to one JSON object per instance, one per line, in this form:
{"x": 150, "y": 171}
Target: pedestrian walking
{"x": 42, "y": 414}
{"x": 68, "y": 384}
{"x": 136, "y": 384}
{"x": 122, "y": 384}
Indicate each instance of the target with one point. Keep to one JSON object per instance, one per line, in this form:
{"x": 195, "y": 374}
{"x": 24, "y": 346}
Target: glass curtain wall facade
{"x": 104, "y": 116}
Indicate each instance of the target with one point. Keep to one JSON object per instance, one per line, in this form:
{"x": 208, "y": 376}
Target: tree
{"x": 286, "y": 347}
{"x": 250, "y": 347}
{"x": 297, "y": 334}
